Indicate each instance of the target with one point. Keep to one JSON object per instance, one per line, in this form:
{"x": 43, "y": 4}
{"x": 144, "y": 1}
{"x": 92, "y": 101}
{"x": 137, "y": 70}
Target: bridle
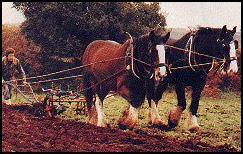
{"x": 190, "y": 47}
{"x": 223, "y": 43}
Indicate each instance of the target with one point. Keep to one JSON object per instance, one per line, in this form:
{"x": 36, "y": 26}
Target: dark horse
{"x": 119, "y": 72}
{"x": 215, "y": 42}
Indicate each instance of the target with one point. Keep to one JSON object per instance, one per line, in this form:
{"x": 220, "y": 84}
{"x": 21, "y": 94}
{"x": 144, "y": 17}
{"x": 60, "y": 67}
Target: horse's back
{"x": 99, "y": 47}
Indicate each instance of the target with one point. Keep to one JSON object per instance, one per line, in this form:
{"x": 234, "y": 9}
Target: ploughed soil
{"x": 23, "y": 130}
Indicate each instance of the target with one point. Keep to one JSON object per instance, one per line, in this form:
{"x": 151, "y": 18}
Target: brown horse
{"x": 113, "y": 69}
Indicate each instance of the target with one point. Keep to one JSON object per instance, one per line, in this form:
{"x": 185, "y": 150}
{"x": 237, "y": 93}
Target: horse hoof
{"x": 157, "y": 123}
{"x": 192, "y": 124}
{"x": 126, "y": 124}
{"x": 102, "y": 125}
{"x": 174, "y": 117}
{"x": 122, "y": 126}
{"x": 171, "y": 125}
{"x": 194, "y": 129}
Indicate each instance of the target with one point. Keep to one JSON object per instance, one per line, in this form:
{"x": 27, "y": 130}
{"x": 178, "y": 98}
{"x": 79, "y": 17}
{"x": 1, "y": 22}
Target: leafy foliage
{"x": 66, "y": 28}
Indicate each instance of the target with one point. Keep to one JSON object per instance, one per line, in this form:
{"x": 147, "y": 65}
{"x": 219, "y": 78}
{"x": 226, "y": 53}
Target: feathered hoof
{"x": 174, "y": 117}
{"x": 158, "y": 123}
{"x": 102, "y": 125}
{"x": 92, "y": 116}
{"x": 94, "y": 121}
{"x": 194, "y": 128}
{"x": 192, "y": 124}
{"x": 126, "y": 125}
{"x": 127, "y": 122}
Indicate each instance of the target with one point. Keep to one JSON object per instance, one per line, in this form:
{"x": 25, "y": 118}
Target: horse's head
{"x": 218, "y": 42}
{"x": 226, "y": 48}
{"x": 158, "y": 50}
{"x": 150, "y": 50}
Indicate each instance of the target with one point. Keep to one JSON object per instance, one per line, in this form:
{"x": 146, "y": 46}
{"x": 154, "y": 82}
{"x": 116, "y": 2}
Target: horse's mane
{"x": 201, "y": 31}
{"x": 141, "y": 42}
{"x": 209, "y": 30}
{"x": 142, "y": 38}
{"x": 207, "y": 33}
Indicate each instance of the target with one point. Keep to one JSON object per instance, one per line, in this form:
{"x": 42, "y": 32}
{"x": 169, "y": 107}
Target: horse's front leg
{"x": 191, "y": 122}
{"x": 176, "y": 112}
{"x": 129, "y": 118}
{"x": 154, "y": 95}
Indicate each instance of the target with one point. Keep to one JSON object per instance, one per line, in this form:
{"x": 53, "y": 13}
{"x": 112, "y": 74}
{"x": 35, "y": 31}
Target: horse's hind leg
{"x": 89, "y": 96}
{"x": 101, "y": 120}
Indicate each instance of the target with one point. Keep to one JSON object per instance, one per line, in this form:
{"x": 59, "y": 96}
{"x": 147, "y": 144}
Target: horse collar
{"x": 189, "y": 46}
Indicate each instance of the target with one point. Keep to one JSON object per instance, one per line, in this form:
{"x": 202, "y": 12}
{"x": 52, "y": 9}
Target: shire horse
{"x": 111, "y": 68}
{"x": 215, "y": 42}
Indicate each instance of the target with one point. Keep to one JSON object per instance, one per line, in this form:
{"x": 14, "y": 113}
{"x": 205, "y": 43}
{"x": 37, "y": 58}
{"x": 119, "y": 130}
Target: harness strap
{"x": 190, "y": 48}
{"x": 189, "y": 43}
{"x": 132, "y": 60}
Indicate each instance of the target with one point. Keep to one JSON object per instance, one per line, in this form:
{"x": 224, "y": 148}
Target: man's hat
{"x": 9, "y": 51}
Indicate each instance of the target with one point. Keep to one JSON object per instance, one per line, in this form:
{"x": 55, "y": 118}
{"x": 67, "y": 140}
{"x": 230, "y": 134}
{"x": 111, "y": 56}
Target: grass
{"x": 219, "y": 118}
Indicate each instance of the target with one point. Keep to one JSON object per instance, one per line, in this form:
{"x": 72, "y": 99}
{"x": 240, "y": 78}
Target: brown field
{"x": 24, "y": 132}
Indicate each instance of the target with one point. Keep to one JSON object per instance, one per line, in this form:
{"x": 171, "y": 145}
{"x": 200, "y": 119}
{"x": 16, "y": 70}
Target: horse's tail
{"x": 88, "y": 92}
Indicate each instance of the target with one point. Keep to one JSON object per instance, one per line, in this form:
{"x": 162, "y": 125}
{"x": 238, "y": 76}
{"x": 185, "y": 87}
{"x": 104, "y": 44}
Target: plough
{"x": 54, "y": 101}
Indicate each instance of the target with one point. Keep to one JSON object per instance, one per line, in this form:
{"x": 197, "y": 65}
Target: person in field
{"x": 11, "y": 70}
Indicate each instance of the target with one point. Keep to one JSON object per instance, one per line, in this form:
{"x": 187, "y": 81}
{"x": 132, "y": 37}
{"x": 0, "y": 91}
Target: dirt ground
{"x": 23, "y": 131}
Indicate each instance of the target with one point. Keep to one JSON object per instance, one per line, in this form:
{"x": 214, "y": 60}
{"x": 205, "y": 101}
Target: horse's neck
{"x": 206, "y": 48}
{"x": 176, "y": 54}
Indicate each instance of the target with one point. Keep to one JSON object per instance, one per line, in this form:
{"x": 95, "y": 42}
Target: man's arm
{"x": 21, "y": 71}
{"x": 4, "y": 67}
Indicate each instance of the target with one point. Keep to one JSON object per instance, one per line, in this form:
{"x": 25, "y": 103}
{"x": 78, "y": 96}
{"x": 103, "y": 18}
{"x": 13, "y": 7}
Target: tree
{"x": 66, "y": 28}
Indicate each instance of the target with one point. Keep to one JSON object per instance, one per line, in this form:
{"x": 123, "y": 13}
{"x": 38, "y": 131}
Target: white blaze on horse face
{"x": 233, "y": 64}
{"x": 161, "y": 53}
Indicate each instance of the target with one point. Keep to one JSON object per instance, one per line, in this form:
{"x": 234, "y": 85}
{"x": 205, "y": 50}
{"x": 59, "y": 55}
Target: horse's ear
{"x": 234, "y": 30}
{"x": 223, "y": 31}
{"x": 152, "y": 36}
{"x": 224, "y": 28}
{"x": 166, "y": 37}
